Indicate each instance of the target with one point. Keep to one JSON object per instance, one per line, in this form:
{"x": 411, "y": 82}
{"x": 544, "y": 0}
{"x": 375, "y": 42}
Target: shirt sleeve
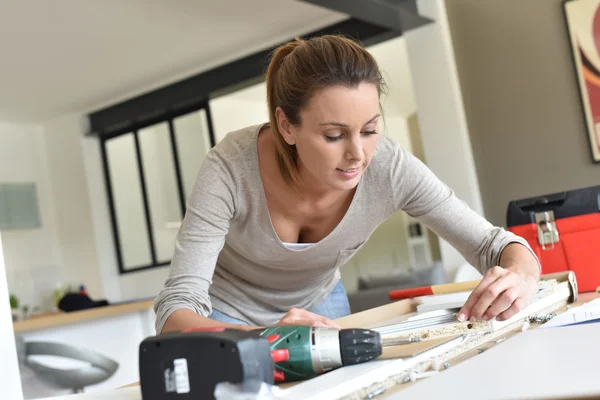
{"x": 424, "y": 197}
{"x": 199, "y": 241}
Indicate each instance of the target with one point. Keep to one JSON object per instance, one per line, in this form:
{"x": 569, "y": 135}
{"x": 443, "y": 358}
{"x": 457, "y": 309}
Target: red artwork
{"x": 583, "y": 19}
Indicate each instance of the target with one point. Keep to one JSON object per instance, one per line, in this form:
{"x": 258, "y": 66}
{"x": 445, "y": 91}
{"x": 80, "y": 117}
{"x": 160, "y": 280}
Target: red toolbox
{"x": 564, "y": 231}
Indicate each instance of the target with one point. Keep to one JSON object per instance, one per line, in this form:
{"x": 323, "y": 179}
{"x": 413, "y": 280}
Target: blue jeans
{"x": 335, "y": 306}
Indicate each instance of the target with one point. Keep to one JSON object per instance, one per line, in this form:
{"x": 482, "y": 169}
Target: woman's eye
{"x": 333, "y": 138}
{"x": 339, "y": 137}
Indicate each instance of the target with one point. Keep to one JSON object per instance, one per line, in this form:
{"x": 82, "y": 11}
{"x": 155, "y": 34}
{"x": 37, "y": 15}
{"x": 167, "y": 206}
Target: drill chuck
{"x": 332, "y": 348}
{"x": 359, "y": 345}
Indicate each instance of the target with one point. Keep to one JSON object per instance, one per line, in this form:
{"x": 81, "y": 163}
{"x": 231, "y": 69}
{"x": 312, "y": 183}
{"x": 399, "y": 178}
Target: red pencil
{"x": 433, "y": 289}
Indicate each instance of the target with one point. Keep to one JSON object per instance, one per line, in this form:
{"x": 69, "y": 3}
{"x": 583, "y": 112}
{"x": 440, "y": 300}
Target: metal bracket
{"x": 546, "y": 228}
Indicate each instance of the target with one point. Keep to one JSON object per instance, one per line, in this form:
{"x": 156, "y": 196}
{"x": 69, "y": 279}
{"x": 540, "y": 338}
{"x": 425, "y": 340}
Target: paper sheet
{"x": 588, "y": 312}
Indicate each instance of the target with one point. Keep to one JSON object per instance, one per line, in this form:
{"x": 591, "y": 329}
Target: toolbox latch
{"x": 546, "y": 228}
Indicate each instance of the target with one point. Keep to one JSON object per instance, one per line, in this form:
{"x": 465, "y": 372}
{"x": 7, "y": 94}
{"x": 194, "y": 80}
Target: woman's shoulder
{"x": 388, "y": 152}
{"x": 234, "y": 158}
{"x": 239, "y": 142}
{"x": 236, "y": 151}
{"x": 392, "y": 164}
{"x": 386, "y": 146}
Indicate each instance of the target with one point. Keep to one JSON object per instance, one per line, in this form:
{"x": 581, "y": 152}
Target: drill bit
{"x": 399, "y": 341}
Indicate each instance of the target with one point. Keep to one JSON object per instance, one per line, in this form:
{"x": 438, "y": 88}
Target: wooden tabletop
{"x": 68, "y": 318}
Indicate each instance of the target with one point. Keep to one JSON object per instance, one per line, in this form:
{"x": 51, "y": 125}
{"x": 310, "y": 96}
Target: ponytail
{"x": 287, "y": 156}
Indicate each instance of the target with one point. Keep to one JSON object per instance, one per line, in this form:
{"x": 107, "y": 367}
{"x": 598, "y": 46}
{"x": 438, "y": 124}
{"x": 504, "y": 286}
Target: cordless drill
{"x": 188, "y": 365}
{"x": 302, "y": 352}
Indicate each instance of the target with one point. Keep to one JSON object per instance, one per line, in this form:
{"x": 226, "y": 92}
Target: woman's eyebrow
{"x": 341, "y": 124}
{"x": 335, "y": 124}
{"x": 372, "y": 119}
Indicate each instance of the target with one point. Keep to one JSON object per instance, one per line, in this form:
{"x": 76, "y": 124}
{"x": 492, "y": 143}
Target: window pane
{"x": 128, "y": 202}
{"x": 161, "y": 187}
{"x": 193, "y": 142}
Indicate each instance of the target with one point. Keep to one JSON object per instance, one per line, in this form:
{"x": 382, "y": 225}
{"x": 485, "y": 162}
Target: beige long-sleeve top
{"x": 228, "y": 256}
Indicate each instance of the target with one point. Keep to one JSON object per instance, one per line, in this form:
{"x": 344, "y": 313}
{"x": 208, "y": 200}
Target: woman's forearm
{"x": 185, "y": 318}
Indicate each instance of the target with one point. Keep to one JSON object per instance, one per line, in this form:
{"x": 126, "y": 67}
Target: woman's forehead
{"x": 335, "y": 102}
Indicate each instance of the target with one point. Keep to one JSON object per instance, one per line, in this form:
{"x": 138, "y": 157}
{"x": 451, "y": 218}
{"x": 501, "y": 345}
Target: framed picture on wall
{"x": 583, "y": 21}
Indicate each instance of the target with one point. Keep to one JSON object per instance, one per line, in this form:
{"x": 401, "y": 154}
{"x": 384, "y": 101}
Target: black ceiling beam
{"x": 397, "y": 15}
{"x": 183, "y": 96}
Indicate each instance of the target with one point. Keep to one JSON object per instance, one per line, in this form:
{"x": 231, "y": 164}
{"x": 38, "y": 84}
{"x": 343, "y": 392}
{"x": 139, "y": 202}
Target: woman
{"x": 278, "y": 208}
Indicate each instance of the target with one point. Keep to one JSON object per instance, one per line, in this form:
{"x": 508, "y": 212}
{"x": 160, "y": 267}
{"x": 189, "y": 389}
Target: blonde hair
{"x": 301, "y": 67}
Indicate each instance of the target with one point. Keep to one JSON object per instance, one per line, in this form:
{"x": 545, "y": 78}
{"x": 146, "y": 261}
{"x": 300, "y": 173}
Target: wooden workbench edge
{"x": 74, "y": 317}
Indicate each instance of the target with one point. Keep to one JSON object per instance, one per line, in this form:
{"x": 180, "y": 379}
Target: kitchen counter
{"x": 68, "y": 318}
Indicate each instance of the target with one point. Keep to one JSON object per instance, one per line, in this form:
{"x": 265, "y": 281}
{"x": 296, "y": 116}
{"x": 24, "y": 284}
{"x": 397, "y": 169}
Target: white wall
{"x": 74, "y": 244}
{"x": 63, "y": 138}
{"x": 442, "y": 118}
{"x": 33, "y": 257}
{"x": 528, "y": 129}
{"x": 10, "y": 382}
{"x": 63, "y": 249}
{"x": 392, "y": 58}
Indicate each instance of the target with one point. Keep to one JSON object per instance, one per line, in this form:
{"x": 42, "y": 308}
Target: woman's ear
{"x": 286, "y": 129}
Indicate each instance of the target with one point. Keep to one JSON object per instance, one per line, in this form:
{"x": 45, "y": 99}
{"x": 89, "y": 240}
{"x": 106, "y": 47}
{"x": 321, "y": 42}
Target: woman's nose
{"x": 354, "y": 150}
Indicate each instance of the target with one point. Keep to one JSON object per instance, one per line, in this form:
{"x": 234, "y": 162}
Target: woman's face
{"x": 337, "y": 136}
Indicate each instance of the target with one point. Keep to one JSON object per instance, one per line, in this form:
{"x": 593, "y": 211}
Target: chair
{"x": 100, "y": 369}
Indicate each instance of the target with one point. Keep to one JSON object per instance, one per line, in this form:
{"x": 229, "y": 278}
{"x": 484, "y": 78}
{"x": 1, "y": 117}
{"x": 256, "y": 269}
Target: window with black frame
{"x": 150, "y": 172}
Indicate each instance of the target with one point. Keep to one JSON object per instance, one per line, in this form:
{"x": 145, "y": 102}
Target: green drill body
{"x": 297, "y": 340}
{"x": 310, "y": 351}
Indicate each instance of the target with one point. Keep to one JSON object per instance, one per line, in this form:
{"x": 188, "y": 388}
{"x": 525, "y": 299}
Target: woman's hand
{"x": 502, "y": 293}
{"x": 298, "y": 316}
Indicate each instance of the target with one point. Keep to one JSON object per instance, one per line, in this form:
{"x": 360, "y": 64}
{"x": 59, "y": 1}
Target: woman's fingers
{"x": 332, "y": 324}
{"x": 489, "y": 296}
{"x": 517, "y": 306}
{"x": 302, "y": 317}
{"x": 490, "y": 277}
{"x": 502, "y": 303}
{"x": 501, "y": 298}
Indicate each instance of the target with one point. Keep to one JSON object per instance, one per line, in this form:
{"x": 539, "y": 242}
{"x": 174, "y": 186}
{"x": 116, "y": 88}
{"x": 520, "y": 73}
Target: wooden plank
{"x": 376, "y": 316}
